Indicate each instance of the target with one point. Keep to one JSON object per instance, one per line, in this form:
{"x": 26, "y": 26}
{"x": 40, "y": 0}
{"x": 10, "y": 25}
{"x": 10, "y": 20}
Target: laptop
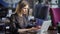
{"x": 44, "y": 27}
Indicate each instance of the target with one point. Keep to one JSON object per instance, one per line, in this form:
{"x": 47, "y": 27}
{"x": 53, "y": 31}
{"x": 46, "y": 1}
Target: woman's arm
{"x": 30, "y": 29}
{"x": 24, "y": 30}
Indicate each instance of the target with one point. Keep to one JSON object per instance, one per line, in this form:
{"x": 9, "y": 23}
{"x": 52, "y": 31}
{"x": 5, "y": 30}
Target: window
{"x": 54, "y": 3}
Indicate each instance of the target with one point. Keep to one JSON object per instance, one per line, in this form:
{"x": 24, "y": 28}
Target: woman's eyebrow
{"x": 26, "y": 8}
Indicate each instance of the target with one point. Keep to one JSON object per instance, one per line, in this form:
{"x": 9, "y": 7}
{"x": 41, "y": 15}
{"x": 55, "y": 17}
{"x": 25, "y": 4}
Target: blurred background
{"x": 7, "y": 8}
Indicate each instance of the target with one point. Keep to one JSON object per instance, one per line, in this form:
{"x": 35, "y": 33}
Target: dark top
{"x": 19, "y": 23}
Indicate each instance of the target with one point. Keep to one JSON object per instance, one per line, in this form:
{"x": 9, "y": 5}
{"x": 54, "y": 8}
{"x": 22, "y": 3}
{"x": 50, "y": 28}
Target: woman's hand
{"x": 39, "y": 27}
{"x": 36, "y": 28}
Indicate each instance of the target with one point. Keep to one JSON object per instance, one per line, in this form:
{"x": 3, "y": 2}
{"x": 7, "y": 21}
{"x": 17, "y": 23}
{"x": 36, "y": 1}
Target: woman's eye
{"x": 25, "y": 8}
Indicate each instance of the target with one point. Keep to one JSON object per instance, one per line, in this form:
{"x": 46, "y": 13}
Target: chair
{"x": 41, "y": 11}
{"x": 55, "y": 15}
{"x": 44, "y": 27}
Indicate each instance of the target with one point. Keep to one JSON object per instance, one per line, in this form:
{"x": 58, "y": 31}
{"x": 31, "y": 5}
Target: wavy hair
{"x": 20, "y": 5}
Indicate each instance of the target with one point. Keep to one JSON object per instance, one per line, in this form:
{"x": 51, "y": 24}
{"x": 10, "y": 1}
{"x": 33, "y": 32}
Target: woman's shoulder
{"x": 13, "y": 15}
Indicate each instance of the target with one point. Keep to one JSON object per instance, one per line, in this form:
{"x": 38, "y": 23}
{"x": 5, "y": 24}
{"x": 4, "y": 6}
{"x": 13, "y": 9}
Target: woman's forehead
{"x": 27, "y": 6}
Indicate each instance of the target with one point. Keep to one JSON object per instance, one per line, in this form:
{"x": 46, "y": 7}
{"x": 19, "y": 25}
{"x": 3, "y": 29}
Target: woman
{"x": 19, "y": 19}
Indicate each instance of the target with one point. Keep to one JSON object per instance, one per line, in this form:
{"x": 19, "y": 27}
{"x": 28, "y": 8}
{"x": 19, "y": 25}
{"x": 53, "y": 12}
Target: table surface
{"x": 48, "y": 32}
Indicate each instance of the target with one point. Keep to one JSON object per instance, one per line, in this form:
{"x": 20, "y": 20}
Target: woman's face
{"x": 25, "y": 9}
